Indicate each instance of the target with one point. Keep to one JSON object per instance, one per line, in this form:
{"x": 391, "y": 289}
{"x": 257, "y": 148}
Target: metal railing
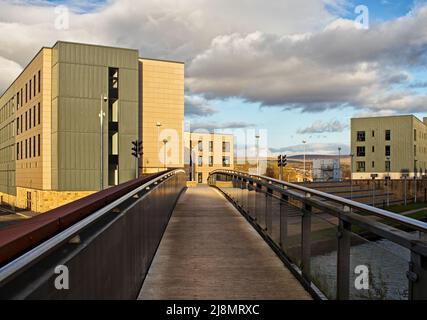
{"x": 106, "y": 254}
{"x": 337, "y": 248}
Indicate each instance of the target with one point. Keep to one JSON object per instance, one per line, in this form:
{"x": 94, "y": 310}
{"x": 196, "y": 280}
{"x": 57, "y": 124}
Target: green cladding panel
{"x": 82, "y": 78}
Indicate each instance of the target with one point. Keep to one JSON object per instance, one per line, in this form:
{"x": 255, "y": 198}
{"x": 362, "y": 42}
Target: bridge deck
{"x": 209, "y": 251}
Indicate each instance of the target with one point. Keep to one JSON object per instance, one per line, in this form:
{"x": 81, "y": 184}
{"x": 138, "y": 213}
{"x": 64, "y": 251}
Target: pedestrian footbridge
{"x": 239, "y": 237}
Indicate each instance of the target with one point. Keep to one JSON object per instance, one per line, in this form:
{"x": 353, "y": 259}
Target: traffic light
{"x": 137, "y": 148}
{"x": 282, "y": 161}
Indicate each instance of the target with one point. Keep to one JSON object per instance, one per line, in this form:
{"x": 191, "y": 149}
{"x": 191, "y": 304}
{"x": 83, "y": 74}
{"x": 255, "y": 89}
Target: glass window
{"x": 200, "y": 161}
{"x": 225, "y": 161}
{"x": 211, "y": 144}
{"x": 387, "y": 151}
{"x": 210, "y": 161}
{"x": 200, "y": 145}
{"x": 361, "y": 151}
{"x": 388, "y": 135}
{"x": 360, "y": 166}
{"x": 361, "y": 136}
{"x": 225, "y": 146}
{"x": 387, "y": 166}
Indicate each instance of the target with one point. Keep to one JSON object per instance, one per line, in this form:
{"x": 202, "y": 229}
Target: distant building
{"x": 206, "y": 152}
{"x": 388, "y": 146}
{"x": 326, "y": 170}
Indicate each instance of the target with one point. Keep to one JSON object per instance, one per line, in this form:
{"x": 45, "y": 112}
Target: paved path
{"x": 209, "y": 251}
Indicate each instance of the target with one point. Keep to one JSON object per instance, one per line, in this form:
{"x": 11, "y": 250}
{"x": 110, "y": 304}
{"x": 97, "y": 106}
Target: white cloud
{"x": 313, "y": 148}
{"x": 196, "y": 106}
{"x": 322, "y": 127}
{"x": 9, "y": 70}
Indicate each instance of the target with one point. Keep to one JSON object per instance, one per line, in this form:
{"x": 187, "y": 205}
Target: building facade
{"x": 54, "y": 148}
{"x": 388, "y": 146}
{"x": 206, "y": 152}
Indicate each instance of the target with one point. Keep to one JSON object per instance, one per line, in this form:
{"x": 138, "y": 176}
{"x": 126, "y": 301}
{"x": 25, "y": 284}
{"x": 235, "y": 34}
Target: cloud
{"x": 9, "y": 70}
{"x": 418, "y": 85}
{"x": 336, "y": 67}
{"x": 198, "y": 107}
{"x": 215, "y": 126}
{"x": 322, "y": 127}
{"x": 313, "y": 148}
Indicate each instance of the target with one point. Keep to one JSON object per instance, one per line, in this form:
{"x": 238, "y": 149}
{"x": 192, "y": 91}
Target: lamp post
{"x": 165, "y": 141}
{"x": 339, "y": 163}
{"x": 387, "y": 181}
{"x": 158, "y": 125}
{"x": 304, "y": 143}
{"x": 101, "y": 123}
{"x": 257, "y": 153}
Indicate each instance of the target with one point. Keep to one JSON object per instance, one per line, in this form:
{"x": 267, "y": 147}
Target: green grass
{"x": 402, "y": 208}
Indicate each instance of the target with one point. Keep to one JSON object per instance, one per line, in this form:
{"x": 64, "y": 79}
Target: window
{"x": 34, "y": 116}
{"x": 26, "y": 93}
{"x": 373, "y": 148}
{"x": 373, "y": 133}
{"x": 26, "y": 122}
{"x": 22, "y": 98}
{"x": 30, "y": 88}
{"x": 29, "y": 118}
{"x": 360, "y": 135}
{"x": 210, "y": 161}
{"x": 361, "y": 151}
{"x": 17, "y": 151}
{"x": 415, "y": 150}
{"x": 388, "y": 166}
{"x": 38, "y": 145}
{"x": 38, "y": 113}
{"x": 360, "y": 165}
{"x": 34, "y": 85}
{"x": 225, "y": 146}
{"x": 17, "y": 100}
{"x": 211, "y": 146}
{"x": 21, "y": 150}
{"x": 200, "y": 161}
{"x": 22, "y": 124}
{"x": 17, "y": 126}
{"x": 388, "y": 135}
{"x": 200, "y": 177}
{"x": 373, "y": 164}
{"x": 387, "y": 151}
{"x": 225, "y": 161}
{"x": 26, "y": 149}
{"x": 200, "y": 145}
{"x": 38, "y": 82}
{"x": 415, "y": 134}
{"x": 29, "y": 149}
{"x": 34, "y": 146}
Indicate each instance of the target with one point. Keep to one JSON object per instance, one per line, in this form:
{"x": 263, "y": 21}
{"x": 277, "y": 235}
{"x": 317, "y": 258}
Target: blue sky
{"x": 298, "y": 69}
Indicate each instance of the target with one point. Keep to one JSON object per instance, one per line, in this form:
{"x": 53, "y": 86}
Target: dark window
{"x": 38, "y": 145}
{"x": 26, "y": 121}
{"x": 30, "y": 89}
{"x": 388, "y": 135}
{"x": 34, "y": 146}
{"x": 22, "y": 124}
{"x": 373, "y": 164}
{"x": 38, "y": 82}
{"x": 210, "y": 161}
{"x": 415, "y": 134}
{"x": 34, "y": 116}
{"x": 21, "y": 150}
{"x": 26, "y": 149}
{"x": 373, "y": 133}
{"x": 361, "y": 151}
{"x": 225, "y": 161}
{"x": 38, "y": 113}
{"x": 200, "y": 177}
{"x": 387, "y": 166}
{"x": 17, "y": 151}
{"x": 415, "y": 150}
{"x": 26, "y": 93}
{"x": 361, "y": 136}
{"x": 200, "y": 161}
{"x": 29, "y": 118}
{"x": 200, "y": 145}
{"x": 360, "y": 166}
{"x": 34, "y": 85}
{"x": 211, "y": 146}
{"x": 373, "y": 149}
{"x": 22, "y": 98}
{"x": 225, "y": 146}
{"x": 29, "y": 147}
{"x": 17, "y": 126}
{"x": 17, "y": 100}
{"x": 387, "y": 151}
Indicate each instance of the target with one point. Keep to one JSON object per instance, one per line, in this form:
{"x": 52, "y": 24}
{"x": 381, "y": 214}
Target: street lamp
{"x": 351, "y": 175}
{"x": 257, "y": 153}
{"x": 101, "y": 123}
{"x": 388, "y": 181}
{"x": 304, "y": 143}
{"x": 165, "y": 141}
{"x": 158, "y": 125}
{"x": 339, "y": 163}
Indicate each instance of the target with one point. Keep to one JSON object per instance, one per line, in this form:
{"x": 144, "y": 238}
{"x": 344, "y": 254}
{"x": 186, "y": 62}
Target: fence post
{"x": 268, "y": 211}
{"x": 283, "y": 221}
{"x": 343, "y": 260}
{"x": 417, "y": 276}
{"x": 306, "y": 239}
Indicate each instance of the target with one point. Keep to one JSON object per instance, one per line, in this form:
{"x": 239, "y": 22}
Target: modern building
{"x": 326, "y": 170}
{"x": 206, "y": 152}
{"x": 388, "y": 147}
{"x": 68, "y": 121}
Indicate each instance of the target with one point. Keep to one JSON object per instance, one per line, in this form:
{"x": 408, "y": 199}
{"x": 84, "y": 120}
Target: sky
{"x": 296, "y": 69}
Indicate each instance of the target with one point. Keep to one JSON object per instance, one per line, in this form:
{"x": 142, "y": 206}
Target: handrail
{"x": 409, "y": 222}
{"x": 47, "y": 246}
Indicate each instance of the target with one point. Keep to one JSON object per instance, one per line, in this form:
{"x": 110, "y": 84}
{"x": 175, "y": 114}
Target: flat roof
{"x": 391, "y": 116}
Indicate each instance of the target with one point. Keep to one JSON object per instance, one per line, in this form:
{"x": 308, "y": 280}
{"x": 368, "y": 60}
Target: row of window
{"x": 28, "y": 119}
{"x": 28, "y": 148}
{"x": 361, "y": 166}
{"x": 225, "y": 146}
{"x": 6, "y": 110}
{"x": 30, "y": 90}
{"x": 361, "y": 151}
{"x": 361, "y": 135}
{"x": 421, "y": 135}
{"x": 225, "y": 161}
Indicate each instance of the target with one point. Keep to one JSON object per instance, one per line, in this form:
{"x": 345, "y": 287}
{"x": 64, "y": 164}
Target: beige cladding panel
{"x": 162, "y": 101}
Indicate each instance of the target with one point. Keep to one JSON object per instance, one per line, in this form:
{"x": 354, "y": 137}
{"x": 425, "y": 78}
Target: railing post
{"x": 417, "y": 276}
{"x": 306, "y": 240}
{"x": 283, "y": 221}
{"x": 268, "y": 211}
{"x": 343, "y": 260}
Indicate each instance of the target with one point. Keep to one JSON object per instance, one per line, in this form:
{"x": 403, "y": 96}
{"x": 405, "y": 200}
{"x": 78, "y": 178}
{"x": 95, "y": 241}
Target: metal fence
{"x": 106, "y": 255}
{"x": 338, "y": 248}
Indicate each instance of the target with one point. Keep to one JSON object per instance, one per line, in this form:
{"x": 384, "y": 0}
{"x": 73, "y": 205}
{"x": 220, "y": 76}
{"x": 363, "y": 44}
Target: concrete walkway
{"x": 209, "y": 251}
